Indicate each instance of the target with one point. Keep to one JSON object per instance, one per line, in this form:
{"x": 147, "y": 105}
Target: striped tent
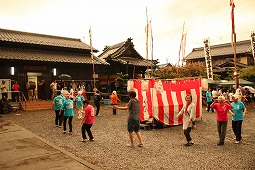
{"x": 163, "y": 99}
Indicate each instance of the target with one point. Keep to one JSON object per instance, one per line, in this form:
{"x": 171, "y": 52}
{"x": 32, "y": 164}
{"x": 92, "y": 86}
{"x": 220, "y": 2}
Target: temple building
{"x": 223, "y": 58}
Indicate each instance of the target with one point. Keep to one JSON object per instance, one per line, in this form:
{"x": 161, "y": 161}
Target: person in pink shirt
{"x": 222, "y": 108}
{"x": 87, "y": 121}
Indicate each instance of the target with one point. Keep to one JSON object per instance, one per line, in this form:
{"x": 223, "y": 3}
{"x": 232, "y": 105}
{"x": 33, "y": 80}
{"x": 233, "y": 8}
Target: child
{"x": 79, "y": 98}
{"x": 87, "y": 121}
{"x": 133, "y": 107}
{"x": 114, "y": 100}
{"x": 68, "y": 113}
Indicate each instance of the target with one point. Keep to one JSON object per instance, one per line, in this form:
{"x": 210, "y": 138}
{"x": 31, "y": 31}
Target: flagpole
{"x": 151, "y": 49}
{"x": 92, "y": 57}
{"x": 147, "y": 32}
{"x": 232, "y": 4}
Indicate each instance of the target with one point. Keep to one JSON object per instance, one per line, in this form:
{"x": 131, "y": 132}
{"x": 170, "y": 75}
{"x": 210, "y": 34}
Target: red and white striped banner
{"x": 163, "y": 99}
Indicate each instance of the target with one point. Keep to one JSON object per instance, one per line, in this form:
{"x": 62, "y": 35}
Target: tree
{"x": 121, "y": 82}
{"x": 188, "y": 70}
{"x": 248, "y": 73}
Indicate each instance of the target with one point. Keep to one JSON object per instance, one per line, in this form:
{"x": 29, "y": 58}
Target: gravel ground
{"x": 163, "y": 147}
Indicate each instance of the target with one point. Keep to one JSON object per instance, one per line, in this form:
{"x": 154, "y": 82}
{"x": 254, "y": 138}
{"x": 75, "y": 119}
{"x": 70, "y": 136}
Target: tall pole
{"x": 151, "y": 49}
{"x": 92, "y": 57}
{"x": 232, "y": 4}
{"x": 147, "y": 34}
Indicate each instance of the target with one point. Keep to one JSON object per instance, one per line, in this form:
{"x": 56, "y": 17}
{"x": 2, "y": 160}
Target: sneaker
{"x": 84, "y": 140}
{"x": 131, "y": 145}
{"x": 70, "y": 133}
{"x": 91, "y": 140}
{"x": 64, "y": 132}
{"x": 140, "y": 145}
{"x": 56, "y": 125}
{"x": 98, "y": 115}
{"x": 60, "y": 126}
{"x": 237, "y": 142}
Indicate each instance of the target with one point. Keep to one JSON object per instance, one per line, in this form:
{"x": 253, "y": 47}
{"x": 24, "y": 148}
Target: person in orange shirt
{"x": 114, "y": 100}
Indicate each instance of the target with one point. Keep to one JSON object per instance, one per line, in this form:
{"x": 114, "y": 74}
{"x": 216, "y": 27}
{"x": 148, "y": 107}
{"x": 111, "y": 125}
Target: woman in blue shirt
{"x": 68, "y": 113}
{"x": 209, "y": 99}
{"x": 239, "y": 111}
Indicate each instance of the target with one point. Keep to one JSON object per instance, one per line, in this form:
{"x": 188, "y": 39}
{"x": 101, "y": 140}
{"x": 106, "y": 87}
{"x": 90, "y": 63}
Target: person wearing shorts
{"x": 133, "y": 107}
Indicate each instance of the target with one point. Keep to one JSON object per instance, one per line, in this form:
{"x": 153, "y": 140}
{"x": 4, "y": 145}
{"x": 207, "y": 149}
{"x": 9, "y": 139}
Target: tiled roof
{"x": 47, "y": 56}
{"x": 124, "y": 53}
{"x": 221, "y": 50}
{"x": 133, "y": 61}
{"x": 41, "y": 39}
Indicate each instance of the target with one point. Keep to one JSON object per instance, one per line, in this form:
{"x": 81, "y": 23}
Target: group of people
{"x": 64, "y": 106}
{"x": 222, "y": 107}
{"x": 15, "y": 88}
{"x": 72, "y": 87}
{"x": 244, "y": 95}
{"x": 64, "y": 110}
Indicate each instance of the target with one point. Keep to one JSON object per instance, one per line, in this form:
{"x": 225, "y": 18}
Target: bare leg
{"x": 139, "y": 136}
{"x": 131, "y": 136}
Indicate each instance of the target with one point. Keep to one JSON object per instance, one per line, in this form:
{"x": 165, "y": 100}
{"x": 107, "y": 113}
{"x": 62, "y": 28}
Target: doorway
{"x": 32, "y": 77}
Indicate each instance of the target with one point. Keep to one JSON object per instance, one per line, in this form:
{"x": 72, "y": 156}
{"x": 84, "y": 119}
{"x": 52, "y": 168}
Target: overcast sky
{"x": 113, "y": 21}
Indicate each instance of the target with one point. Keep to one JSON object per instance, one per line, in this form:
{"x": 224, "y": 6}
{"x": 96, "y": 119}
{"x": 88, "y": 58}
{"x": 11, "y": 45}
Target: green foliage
{"x": 188, "y": 70}
{"x": 216, "y": 77}
{"x": 121, "y": 82}
{"x": 230, "y": 74}
{"x": 248, "y": 73}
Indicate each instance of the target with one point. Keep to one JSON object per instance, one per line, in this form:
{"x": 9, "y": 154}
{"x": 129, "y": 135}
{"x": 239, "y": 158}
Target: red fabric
{"x": 165, "y": 105}
{"x": 84, "y": 95}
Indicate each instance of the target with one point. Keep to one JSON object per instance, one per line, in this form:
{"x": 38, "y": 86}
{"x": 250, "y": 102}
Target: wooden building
{"x": 124, "y": 59}
{"x": 223, "y": 56}
{"x": 36, "y": 56}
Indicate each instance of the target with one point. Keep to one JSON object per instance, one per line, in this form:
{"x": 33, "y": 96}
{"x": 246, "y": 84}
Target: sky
{"x": 114, "y": 21}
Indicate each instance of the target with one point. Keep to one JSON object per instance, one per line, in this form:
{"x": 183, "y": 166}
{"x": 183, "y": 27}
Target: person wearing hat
{"x": 239, "y": 111}
{"x": 114, "y": 100}
{"x": 68, "y": 113}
